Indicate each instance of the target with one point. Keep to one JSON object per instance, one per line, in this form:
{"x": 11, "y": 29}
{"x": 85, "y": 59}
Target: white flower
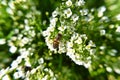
{"x": 117, "y": 70}
{"x": 24, "y": 54}
{"x": 68, "y": 12}
{"x": 53, "y": 21}
{"x": 80, "y": 3}
{"x": 3, "y": 72}
{"x": 75, "y": 18}
{"x": 14, "y": 64}
{"x": 109, "y": 69}
{"x": 6, "y": 77}
{"x": 78, "y": 62}
{"x": 70, "y": 53}
{"x": 62, "y": 48}
{"x": 25, "y": 40}
{"x": 79, "y": 40}
{"x": 33, "y": 71}
{"x": 11, "y": 4}
{"x": 54, "y": 14}
{"x": 27, "y": 28}
{"x": 10, "y": 11}
{"x": 19, "y": 59}
{"x": 102, "y": 47}
{"x": 45, "y": 33}
{"x": 84, "y": 36}
{"x": 118, "y": 17}
{"x": 112, "y": 52}
{"x": 50, "y": 29}
{"x": 41, "y": 61}
{"x": 32, "y": 33}
{"x": 2, "y": 41}
{"x": 49, "y": 43}
{"x": 92, "y": 51}
{"x": 91, "y": 44}
{"x": 62, "y": 28}
{"x": 27, "y": 62}
{"x": 69, "y": 44}
{"x": 87, "y": 64}
{"x": 69, "y": 3}
{"x": 102, "y": 32}
{"x": 26, "y": 21}
{"x": 13, "y": 49}
{"x": 118, "y": 29}
{"x": 84, "y": 12}
{"x": 101, "y": 10}
{"x": 4, "y": 2}
{"x": 17, "y": 75}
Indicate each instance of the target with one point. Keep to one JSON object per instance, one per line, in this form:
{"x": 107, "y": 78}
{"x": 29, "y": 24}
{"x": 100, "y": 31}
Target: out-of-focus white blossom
{"x": 69, "y": 3}
{"x": 55, "y": 13}
{"x": 84, "y": 12}
{"x": 13, "y": 49}
{"x": 33, "y": 71}
{"x": 75, "y": 17}
{"x": 41, "y": 61}
{"x": 68, "y": 12}
{"x": 118, "y": 29}
{"x": 80, "y": 3}
{"x": 18, "y": 75}
{"x": 117, "y": 70}
{"x": 2, "y": 41}
{"x": 10, "y": 11}
{"x": 14, "y": 64}
{"x": 118, "y": 17}
{"x": 109, "y": 69}
{"x": 102, "y": 32}
{"x": 6, "y": 77}
{"x": 101, "y": 10}
{"x": 62, "y": 28}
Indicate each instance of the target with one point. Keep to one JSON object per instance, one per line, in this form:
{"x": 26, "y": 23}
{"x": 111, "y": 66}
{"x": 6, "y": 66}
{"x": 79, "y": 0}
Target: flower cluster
{"x": 78, "y": 38}
{"x": 72, "y": 43}
{"x": 21, "y": 41}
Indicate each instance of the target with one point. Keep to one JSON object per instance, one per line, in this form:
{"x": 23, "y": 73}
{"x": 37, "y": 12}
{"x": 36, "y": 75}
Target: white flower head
{"x": 109, "y": 69}
{"x": 118, "y": 17}
{"x": 80, "y": 3}
{"x": 10, "y": 11}
{"x": 79, "y": 40}
{"x": 6, "y": 77}
{"x": 84, "y": 12}
{"x": 101, "y": 10}
{"x": 75, "y": 18}
{"x": 2, "y": 41}
{"x": 14, "y": 64}
{"x": 53, "y": 21}
{"x": 102, "y": 32}
{"x": 62, "y": 28}
{"x": 69, "y": 3}
{"x": 118, "y": 29}
{"x": 13, "y": 49}
{"x": 117, "y": 70}
{"x": 41, "y": 61}
{"x": 54, "y": 13}
{"x": 68, "y": 12}
{"x": 18, "y": 74}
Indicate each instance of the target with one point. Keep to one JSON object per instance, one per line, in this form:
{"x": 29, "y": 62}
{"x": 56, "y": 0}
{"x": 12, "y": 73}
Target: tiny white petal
{"x": 2, "y": 41}
{"x": 69, "y": 3}
{"x": 13, "y": 49}
{"x": 6, "y": 77}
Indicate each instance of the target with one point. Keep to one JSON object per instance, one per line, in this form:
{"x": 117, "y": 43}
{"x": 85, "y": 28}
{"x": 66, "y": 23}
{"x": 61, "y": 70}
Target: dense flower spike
{"x": 79, "y": 37}
{"x": 75, "y": 46}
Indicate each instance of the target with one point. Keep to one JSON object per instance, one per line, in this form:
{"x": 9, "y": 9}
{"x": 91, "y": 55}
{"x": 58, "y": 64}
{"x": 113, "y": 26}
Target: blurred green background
{"x": 68, "y": 70}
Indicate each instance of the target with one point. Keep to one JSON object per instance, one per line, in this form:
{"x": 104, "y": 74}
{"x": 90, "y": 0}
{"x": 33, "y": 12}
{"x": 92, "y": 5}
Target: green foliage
{"x": 88, "y": 48}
